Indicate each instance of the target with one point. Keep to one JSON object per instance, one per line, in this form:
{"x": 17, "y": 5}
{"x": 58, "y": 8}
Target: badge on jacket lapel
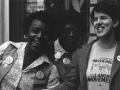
{"x": 66, "y": 61}
{"x": 7, "y": 61}
{"x": 118, "y": 58}
{"x": 40, "y": 75}
{"x": 57, "y": 56}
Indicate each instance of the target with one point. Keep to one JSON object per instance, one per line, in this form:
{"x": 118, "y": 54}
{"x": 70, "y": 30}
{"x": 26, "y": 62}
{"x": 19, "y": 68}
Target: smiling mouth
{"x": 100, "y": 28}
{"x": 37, "y": 43}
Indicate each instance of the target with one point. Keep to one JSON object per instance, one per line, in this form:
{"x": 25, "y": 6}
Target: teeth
{"x": 99, "y": 28}
{"x": 37, "y": 42}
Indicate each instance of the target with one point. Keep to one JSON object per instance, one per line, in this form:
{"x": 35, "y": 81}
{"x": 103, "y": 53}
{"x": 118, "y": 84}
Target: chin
{"x": 36, "y": 49}
{"x": 100, "y": 35}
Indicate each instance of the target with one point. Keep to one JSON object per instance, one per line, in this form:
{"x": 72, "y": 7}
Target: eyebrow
{"x": 103, "y": 16}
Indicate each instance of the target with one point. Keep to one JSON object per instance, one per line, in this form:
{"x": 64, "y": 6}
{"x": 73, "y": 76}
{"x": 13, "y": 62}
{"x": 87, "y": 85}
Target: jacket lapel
{"x": 84, "y": 57}
{"x": 116, "y": 63}
{"x": 10, "y": 51}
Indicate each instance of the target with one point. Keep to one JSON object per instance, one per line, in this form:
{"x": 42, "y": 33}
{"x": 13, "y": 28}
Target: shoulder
{"x": 82, "y": 51}
{"x": 16, "y": 44}
{"x": 86, "y": 47}
{"x": 4, "y": 46}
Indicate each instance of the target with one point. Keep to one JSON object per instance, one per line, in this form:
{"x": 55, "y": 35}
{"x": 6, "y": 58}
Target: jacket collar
{"x": 84, "y": 57}
{"x": 38, "y": 62}
{"x": 116, "y": 62}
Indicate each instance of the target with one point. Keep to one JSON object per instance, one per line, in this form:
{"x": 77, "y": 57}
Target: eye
{"x": 34, "y": 30}
{"x": 103, "y": 18}
{"x": 95, "y": 19}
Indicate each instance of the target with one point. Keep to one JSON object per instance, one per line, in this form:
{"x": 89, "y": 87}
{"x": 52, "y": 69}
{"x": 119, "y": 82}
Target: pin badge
{"x": 9, "y": 60}
{"x": 58, "y": 55}
{"x": 40, "y": 75}
{"x": 66, "y": 61}
{"x": 118, "y": 58}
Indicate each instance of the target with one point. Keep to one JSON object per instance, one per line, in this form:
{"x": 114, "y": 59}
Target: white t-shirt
{"x": 99, "y": 68}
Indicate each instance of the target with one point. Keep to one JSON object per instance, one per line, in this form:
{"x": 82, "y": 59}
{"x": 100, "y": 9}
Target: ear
{"x": 91, "y": 21}
{"x": 116, "y": 23}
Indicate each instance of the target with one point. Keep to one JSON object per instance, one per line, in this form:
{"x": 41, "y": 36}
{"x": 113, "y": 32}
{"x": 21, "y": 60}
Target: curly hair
{"x": 111, "y": 8}
{"x": 43, "y": 17}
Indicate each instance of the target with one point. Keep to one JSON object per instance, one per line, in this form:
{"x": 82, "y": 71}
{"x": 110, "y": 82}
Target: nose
{"x": 99, "y": 21}
{"x": 71, "y": 34}
{"x": 39, "y": 34}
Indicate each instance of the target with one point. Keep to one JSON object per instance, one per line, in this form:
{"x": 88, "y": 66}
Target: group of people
{"x": 54, "y": 57}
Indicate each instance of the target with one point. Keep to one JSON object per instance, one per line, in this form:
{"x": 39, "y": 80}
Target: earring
{"x": 25, "y": 36}
{"x": 115, "y": 25}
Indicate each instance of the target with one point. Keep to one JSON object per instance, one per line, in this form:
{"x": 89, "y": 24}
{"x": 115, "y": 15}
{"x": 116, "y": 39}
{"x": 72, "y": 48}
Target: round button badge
{"x": 66, "y": 61}
{"x": 40, "y": 75}
{"x": 58, "y": 55}
{"x": 118, "y": 58}
{"x": 9, "y": 60}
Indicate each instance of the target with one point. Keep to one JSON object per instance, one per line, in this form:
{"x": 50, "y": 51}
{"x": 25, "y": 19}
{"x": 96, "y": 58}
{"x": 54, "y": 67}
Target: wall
{"x": 77, "y": 4}
{"x": 4, "y": 21}
{"x": 17, "y": 14}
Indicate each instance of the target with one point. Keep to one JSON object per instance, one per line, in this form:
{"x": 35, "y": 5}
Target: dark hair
{"x": 75, "y": 18}
{"x": 43, "y": 17}
{"x": 111, "y": 8}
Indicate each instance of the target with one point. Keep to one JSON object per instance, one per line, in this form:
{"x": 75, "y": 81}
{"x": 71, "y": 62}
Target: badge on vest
{"x": 7, "y": 61}
{"x": 57, "y": 56}
{"x": 118, "y": 58}
{"x": 40, "y": 75}
{"x": 66, "y": 61}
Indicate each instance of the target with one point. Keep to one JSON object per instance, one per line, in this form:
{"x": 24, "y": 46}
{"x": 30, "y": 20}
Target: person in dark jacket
{"x": 97, "y": 65}
{"x": 71, "y": 34}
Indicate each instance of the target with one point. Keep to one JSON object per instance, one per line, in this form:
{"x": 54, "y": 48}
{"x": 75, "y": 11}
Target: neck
{"x": 107, "y": 43}
{"x": 68, "y": 48}
{"x": 31, "y": 54}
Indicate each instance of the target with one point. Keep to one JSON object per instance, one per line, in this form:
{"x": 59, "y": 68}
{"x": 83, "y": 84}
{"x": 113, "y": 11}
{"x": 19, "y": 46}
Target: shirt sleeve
{"x": 53, "y": 80}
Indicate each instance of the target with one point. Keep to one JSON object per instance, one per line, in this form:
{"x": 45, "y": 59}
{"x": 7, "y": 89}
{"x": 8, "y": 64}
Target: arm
{"x": 71, "y": 81}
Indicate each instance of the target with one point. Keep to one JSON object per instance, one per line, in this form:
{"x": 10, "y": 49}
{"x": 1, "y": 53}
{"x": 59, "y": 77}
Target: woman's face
{"x": 37, "y": 35}
{"x": 103, "y": 24}
{"x": 70, "y": 34}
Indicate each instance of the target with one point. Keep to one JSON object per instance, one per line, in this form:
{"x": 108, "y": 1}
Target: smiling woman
{"x": 37, "y": 38}
{"x": 103, "y": 24}
{"x": 25, "y": 65}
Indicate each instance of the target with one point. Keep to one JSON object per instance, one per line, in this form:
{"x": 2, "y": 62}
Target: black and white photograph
{"x": 59, "y": 44}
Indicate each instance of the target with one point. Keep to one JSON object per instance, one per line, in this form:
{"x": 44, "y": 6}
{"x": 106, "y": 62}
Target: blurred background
{"x": 13, "y": 12}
